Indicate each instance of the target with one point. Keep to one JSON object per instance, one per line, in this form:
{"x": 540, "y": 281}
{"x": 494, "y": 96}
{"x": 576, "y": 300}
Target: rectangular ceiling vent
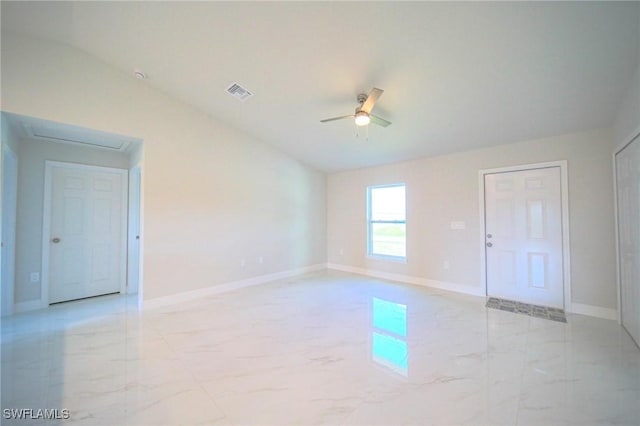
{"x": 239, "y": 92}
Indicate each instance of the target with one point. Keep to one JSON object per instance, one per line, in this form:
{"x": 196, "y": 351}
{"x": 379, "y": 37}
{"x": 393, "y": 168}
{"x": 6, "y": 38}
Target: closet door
{"x": 628, "y": 202}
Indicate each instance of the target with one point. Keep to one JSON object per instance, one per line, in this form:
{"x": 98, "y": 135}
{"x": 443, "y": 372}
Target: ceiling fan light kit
{"x": 362, "y": 118}
{"x": 363, "y": 114}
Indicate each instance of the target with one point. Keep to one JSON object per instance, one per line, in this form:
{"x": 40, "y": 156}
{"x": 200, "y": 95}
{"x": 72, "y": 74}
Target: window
{"x": 386, "y": 220}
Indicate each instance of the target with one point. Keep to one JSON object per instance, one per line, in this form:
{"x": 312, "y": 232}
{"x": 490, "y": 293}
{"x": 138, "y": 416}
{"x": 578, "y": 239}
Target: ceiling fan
{"x": 363, "y": 114}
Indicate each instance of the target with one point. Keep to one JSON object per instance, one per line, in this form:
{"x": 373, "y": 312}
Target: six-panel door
{"x": 86, "y": 233}
{"x": 523, "y": 219}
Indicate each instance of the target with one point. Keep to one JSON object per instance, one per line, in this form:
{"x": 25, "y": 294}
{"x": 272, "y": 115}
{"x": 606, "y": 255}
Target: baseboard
{"x": 594, "y": 311}
{"x": 425, "y": 282}
{"x": 188, "y": 296}
{"x": 31, "y": 305}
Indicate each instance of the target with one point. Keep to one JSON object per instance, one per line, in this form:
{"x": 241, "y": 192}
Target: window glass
{"x": 387, "y": 226}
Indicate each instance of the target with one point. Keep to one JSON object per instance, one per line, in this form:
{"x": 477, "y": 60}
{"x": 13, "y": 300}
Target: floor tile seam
{"x": 196, "y": 381}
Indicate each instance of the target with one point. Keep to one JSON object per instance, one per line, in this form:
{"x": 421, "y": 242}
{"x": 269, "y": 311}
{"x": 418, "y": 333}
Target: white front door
{"x": 523, "y": 223}
{"x": 628, "y": 197}
{"x": 87, "y": 231}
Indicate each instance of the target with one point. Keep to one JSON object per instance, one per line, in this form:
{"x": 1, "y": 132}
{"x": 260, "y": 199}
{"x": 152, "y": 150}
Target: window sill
{"x": 396, "y": 259}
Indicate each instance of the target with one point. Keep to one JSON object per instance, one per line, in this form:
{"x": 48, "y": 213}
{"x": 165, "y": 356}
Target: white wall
{"x": 8, "y": 140}
{"x": 9, "y": 136}
{"x": 212, "y": 195}
{"x": 627, "y": 120}
{"x": 444, "y": 189}
{"x": 32, "y": 155}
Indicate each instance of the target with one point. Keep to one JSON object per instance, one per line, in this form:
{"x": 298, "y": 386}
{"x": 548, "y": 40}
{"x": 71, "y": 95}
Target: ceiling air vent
{"x": 239, "y": 92}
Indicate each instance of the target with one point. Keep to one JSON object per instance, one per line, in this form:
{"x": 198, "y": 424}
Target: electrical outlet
{"x": 34, "y": 277}
{"x": 341, "y": 252}
{"x": 445, "y": 265}
{"x": 260, "y": 260}
{"x": 242, "y": 262}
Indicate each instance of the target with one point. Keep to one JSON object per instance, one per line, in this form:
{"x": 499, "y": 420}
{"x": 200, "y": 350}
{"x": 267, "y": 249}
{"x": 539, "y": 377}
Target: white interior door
{"x": 523, "y": 222}
{"x": 87, "y": 231}
{"x": 628, "y": 196}
{"x": 9, "y": 203}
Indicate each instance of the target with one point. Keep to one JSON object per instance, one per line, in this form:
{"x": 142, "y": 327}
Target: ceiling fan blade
{"x": 337, "y": 118}
{"x": 367, "y": 106}
{"x": 379, "y": 121}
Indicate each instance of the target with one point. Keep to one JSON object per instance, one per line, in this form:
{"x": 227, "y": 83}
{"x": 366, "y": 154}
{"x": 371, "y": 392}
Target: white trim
{"x": 31, "y": 305}
{"x": 621, "y": 146}
{"x": 370, "y": 253}
{"x": 133, "y": 243}
{"x": 396, "y": 259}
{"x": 617, "y": 239}
{"x": 188, "y": 296}
{"x": 626, "y": 141}
{"x": 141, "y": 230}
{"x": 8, "y": 154}
{"x": 407, "y": 279}
{"x": 46, "y": 222}
{"x": 594, "y": 311}
{"x": 566, "y": 240}
{"x": 576, "y": 308}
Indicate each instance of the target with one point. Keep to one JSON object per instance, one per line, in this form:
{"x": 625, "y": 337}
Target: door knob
{"x": 56, "y": 240}
{"x": 489, "y": 245}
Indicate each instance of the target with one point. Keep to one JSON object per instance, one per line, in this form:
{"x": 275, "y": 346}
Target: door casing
{"x": 566, "y": 255}
{"x": 133, "y": 263}
{"x": 46, "y": 223}
{"x": 9, "y": 205}
{"x": 626, "y": 142}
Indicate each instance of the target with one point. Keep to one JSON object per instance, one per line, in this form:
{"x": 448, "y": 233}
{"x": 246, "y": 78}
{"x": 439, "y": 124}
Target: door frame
{"x": 46, "y": 222}
{"x": 566, "y": 247}
{"x": 134, "y": 226}
{"x": 9, "y": 232}
{"x": 625, "y": 143}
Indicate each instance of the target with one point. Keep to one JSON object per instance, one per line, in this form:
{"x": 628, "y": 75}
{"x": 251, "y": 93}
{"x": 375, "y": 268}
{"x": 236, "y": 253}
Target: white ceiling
{"x": 456, "y": 76}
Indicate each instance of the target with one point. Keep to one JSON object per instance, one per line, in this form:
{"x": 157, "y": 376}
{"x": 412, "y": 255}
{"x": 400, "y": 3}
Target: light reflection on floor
{"x": 389, "y": 335}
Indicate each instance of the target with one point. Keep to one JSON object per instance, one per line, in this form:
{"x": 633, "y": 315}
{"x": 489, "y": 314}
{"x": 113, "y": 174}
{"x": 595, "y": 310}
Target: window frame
{"x": 370, "y": 223}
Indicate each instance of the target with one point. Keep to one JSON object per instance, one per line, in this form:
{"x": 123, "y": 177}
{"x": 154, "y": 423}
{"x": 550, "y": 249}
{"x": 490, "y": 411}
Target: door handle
{"x": 489, "y": 245}
{"x": 55, "y": 240}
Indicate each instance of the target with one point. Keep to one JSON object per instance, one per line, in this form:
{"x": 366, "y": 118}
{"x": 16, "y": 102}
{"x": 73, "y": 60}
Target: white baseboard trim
{"x": 424, "y": 282}
{"x": 188, "y": 296}
{"x": 576, "y": 308}
{"x": 594, "y": 311}
{"x": 31, "y": 305}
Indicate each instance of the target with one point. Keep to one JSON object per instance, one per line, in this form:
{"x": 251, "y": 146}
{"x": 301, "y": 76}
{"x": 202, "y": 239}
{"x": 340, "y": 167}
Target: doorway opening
{"x": 90, "y": 168}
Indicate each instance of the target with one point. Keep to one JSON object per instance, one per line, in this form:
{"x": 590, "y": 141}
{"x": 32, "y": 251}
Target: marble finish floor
{"x": 324, "y": 348}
